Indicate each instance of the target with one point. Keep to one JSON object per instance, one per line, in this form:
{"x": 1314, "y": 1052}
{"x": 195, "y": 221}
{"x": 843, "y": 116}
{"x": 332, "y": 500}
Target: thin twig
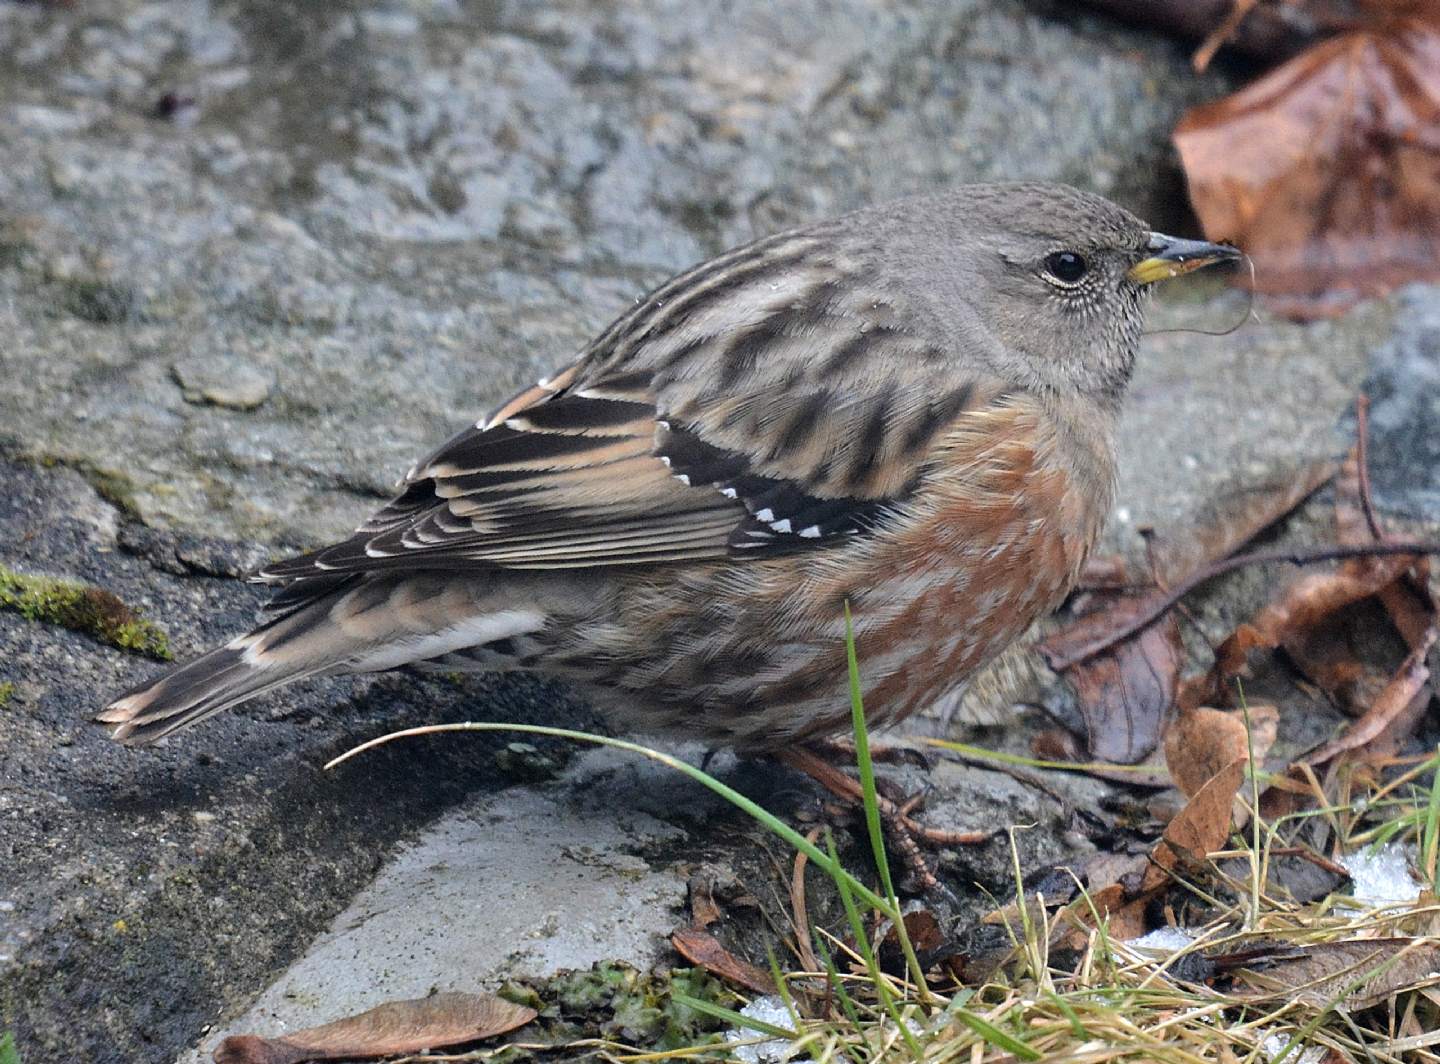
{"x": 800, "y": 912}
{"x": 1161, "y": 602}
{"x": 1362, "y": 462}
{"x": 1221, "y": 33}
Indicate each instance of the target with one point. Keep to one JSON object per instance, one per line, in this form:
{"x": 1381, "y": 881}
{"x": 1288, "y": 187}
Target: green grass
{"x": 8, "y": 1053}
{"x": 1106, "y": 1003}
{"x": 7, "y": 692}
{"x": 83, "y": 608}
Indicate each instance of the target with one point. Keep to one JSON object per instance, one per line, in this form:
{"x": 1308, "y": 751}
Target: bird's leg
{"x": 840, "y": 748}
{"x": 903, "y": 833}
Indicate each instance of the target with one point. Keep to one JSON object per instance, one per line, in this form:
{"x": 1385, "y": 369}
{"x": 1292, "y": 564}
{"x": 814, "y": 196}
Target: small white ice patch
{"x": 1163, "y": 941}
{"x": 1275, "y": 1044}
{"x": 1381, "y": 876}
{"x": 769, "y": 1010}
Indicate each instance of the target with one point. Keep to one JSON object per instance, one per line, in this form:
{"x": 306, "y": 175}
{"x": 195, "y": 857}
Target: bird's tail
{"x": 196, "y": 690}
{"x": 376, "y": 625}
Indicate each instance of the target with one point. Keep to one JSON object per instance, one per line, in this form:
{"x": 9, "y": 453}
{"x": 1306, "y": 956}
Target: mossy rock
{"x": 616, "y": 1002}
{"x": 83, "y": 608}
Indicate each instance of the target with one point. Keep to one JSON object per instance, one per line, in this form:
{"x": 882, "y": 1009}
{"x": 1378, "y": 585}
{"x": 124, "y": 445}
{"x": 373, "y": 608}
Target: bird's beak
{"x": 1170, "y": 257}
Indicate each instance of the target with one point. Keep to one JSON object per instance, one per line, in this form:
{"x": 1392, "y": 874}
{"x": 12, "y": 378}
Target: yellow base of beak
{"x": 1174, "y": 257}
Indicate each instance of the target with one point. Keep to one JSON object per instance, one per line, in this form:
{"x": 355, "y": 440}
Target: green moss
{"x": 615, "y": 1001}
{"x": 7, "y": 692}
{"x": 8, "y": 1053}
{"x": 83, "y": 608}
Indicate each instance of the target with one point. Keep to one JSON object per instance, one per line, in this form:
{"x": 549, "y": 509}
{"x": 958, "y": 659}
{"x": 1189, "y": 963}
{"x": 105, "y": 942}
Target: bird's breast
{"x": 994, "y": 540}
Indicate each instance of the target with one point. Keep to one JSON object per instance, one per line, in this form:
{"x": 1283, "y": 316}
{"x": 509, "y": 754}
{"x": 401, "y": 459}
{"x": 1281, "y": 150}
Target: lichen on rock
{"x": 83, "y": 608}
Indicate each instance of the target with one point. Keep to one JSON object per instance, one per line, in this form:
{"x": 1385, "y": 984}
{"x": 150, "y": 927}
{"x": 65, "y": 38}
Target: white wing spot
{"x": 767, "y": 515}
{"x": 683, "y": 478}
{"x": 813, "y": 532}
{"x": 729, "y": 493}
{"x": 783, "y": 525}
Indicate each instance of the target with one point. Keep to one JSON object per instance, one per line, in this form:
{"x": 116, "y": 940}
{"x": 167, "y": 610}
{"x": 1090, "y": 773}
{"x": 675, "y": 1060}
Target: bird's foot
{"x": 839, "y": 748}
{"x": 905, "y": 834}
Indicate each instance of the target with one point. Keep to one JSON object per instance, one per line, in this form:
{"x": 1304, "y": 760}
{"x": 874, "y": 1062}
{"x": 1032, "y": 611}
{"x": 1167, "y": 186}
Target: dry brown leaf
{"x": 1296, "y": 622}
{"x": 1407, "y": 600}
{"x": 704, "y": 950}
{"x": 1201, "y": 742}
{"x": 1125, "y": 692}
{"x": 1327, "y": 169}
{"x": 1406, "y": 694}
{"x": 1201, "y": 827}
{"x": 1120, "y": 905}
{"x": 703, "y": 909}
{"x": 394, "y": 1027}
{"x": 1354, "y": 974}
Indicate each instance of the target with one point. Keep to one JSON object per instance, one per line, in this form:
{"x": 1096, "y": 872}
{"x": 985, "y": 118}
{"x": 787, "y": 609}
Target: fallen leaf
{"x": 1200, "y": 829}
{"x": 1294, "y": 618}
{"x": 1125, "y": 692}
{"x": 1201, "y": 742}
{"x": 394, "y": 1027}
{"x": 1407, "y": 599}
{"x": 1354, "y": 975}
{"x": 703, "y": 909}
{"x": 1407, "y": 693}
{"x": 1327, "y": 169}
{"x": 704, "y": 950}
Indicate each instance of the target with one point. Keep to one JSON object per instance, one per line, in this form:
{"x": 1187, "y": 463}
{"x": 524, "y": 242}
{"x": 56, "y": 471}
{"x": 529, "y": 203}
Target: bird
{"x": 909, "y": 411}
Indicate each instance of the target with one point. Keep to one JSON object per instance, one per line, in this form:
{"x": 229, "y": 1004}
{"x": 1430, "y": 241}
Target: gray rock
{"x": 224, "y": 380}
{"x": 358, "y": 226}
{"x": 398, "y": 214}
{"x": 1404, "y": 391}
{"x": 517, "y": 885}
{"x": 142, "y": 893}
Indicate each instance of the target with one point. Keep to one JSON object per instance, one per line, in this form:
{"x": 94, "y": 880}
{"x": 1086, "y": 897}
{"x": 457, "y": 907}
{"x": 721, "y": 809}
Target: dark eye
{"x": 1066, "y": 267}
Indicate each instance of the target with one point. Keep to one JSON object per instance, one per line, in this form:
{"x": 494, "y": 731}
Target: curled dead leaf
{"x": 1354, "y": 974}
{"x": 1327, "y": 169}
{"x": 1202, "y": 742}
{"x": 1199, "y": 829}
{"x": 394, "y": 1027}
{"x": 1125, "y": 692}
{"x": 704, "y": 950}
{"x": 1406, "y": 694}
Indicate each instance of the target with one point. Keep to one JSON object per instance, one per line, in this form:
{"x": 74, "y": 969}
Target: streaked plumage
{"x": 900, "y": 409}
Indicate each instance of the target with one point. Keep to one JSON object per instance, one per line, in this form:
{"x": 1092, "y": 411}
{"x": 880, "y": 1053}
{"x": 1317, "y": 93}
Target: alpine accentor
{"x": 911, "y": 409}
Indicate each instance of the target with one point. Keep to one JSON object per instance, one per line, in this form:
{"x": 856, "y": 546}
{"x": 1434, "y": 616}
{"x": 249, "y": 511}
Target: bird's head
{"x": 1044, "y": 284}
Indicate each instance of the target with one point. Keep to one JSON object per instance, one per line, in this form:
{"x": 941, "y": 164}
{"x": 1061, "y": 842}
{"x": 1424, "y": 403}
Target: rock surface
{"x": 257, "y": 255}
{"x": 397, "y": 212}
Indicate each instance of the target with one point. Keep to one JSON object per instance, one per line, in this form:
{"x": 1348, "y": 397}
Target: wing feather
{"x": 767, "y": 401}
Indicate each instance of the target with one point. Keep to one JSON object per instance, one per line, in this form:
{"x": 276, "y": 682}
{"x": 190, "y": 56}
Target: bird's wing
{"x": 766, "y": 401}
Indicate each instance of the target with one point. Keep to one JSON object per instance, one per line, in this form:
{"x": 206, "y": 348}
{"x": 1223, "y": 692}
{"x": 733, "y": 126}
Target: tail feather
{"x": 362, "y": 626}
{"x": 197, "y": 690}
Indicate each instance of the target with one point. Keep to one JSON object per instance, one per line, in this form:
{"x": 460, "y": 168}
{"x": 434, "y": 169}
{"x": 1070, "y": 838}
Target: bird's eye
{"x": 1067, "y": 267}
